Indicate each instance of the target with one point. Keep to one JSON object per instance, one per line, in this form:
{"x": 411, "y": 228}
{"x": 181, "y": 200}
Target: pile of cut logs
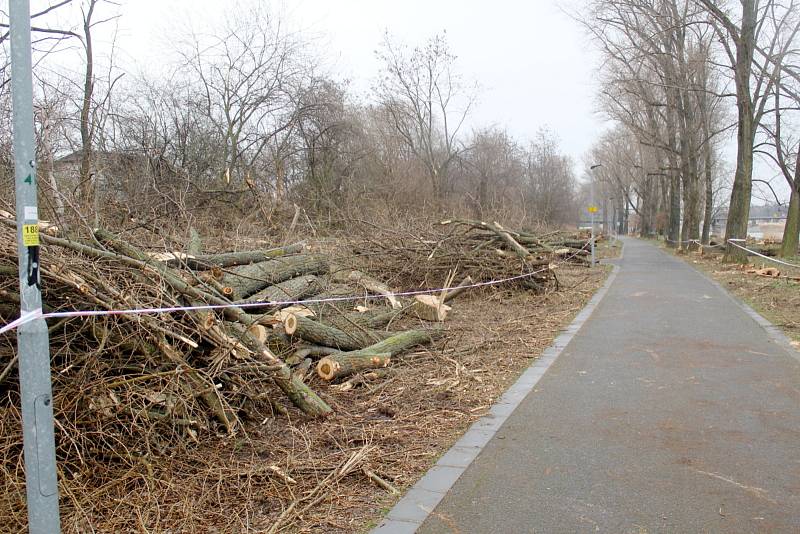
{"x": 485, "y": 251}
{"x": 278, "y": 315}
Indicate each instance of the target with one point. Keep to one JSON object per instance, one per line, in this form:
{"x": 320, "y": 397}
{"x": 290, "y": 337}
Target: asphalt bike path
{"x": 671, "y": 410}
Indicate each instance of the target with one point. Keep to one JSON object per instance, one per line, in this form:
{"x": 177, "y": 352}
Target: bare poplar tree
{"x": 427, "y": 103}
{"x": 767, "y": 27}
{"x": 243, "y": 76}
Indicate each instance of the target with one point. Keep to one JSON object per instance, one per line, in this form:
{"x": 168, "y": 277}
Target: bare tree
{"x": 551, "y": 181}
{"x": 494, "y": 163}
{"x": 244, "y": 75}
{"x": 46, "y": 37}
{"x": 771, "y": 28}
{"x": 427, "y": 103}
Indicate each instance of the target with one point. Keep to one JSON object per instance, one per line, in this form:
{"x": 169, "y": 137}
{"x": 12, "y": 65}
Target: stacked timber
{"x": 485, "y": 251}
{"x": 246, "y": 328}
{"x": 249, "y": 332}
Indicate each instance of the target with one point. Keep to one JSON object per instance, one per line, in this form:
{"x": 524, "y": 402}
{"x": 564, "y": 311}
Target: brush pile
{"x": 481, "y": 250}
{"x": 133, "y": 386}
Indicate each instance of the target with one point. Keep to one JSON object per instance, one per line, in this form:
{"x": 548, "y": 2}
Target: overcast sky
{"x": 534, "y": 65}
{"x": 531, "y": 61}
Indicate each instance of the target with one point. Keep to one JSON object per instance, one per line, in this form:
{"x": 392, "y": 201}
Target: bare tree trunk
{"x": 280, "y": 181}
{"x": 51, "y": 177}
{"x": 709, "y": 195}
{"x": 739, "y": 209}
{"x": 791, "y": 233}
{"x": 86, "y": 178}
{"x": 674, "y": 232}
{"x": 691, "y": 206}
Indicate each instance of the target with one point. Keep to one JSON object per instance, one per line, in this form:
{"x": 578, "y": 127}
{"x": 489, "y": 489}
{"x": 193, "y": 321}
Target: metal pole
{"x": 32, "y": 339}
{"x": 591, "y": 202}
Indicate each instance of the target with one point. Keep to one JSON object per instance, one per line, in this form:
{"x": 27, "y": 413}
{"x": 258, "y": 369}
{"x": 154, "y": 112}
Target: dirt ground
{"x": 291, "y": 474}
{"x": 777, "y": 299}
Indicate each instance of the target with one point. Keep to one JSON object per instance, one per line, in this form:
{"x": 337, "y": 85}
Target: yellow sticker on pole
{"x": 593, "y": 209}
{"x": 30, "y": 235}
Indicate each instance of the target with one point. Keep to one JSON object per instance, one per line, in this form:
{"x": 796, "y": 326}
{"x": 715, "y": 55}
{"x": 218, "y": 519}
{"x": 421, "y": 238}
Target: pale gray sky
{"x": 534, "y": 66}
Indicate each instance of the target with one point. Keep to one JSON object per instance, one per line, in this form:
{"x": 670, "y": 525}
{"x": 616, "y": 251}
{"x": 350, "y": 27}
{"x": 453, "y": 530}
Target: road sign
{"x": 593, "y": 209}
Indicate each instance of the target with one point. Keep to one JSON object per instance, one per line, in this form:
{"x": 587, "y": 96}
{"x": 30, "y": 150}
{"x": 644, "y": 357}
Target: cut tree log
{"x": 202, "y": 262}
{"x": 370, "y": 320}
{"x": 246, "y": 280}
{"x": 374, "y": 356}
{"x": 369, "y": 284}
{"x": 521, "y": 251}
{"x": 314, "y": 350}
{"x": 321, "y": 334}
{"x": 298, "y": 392}
{"x": 288, "y": 290}
{"x": 259, "y": 332}
{"x": 771, "y": 272}
{"x": 348, "y": 363}
{"x": 430, "y": 308}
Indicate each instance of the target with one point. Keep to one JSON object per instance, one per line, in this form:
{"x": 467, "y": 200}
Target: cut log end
{"x": 327, "y": 368}
{"x": 290, "y": 324}
{"x": 430, "y": 308}
{"x": 258, "y": 332}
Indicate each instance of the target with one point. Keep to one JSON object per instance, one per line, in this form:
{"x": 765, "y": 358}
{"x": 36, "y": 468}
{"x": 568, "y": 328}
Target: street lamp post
{"x": 592, "y": 207}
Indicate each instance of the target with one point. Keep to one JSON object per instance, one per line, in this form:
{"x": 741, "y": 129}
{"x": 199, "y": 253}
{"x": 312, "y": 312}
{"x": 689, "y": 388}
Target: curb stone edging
{"x": 416, "y": 505}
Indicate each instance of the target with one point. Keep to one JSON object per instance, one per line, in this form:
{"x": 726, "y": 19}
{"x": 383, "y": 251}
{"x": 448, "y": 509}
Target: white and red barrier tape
{"x": 30, "y": 316}
{"x": 735, "y": 243}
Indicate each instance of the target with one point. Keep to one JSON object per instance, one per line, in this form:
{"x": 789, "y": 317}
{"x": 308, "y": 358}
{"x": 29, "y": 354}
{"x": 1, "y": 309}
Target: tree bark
{"x": 86, "y": 180}
{"x": 249, "y": 279}
{"x": 289, "y": 290}
{"x": 232, "y": 259}
{"x": 739, "y": 210}
{"x": 709, "y": 193}
{"x": 348, "y": 363}
{"x": 321, "y": 334}
{"x": 791, "y": 233}
{"x": 377, "y": 355}
{"x": 674, "y": 231}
